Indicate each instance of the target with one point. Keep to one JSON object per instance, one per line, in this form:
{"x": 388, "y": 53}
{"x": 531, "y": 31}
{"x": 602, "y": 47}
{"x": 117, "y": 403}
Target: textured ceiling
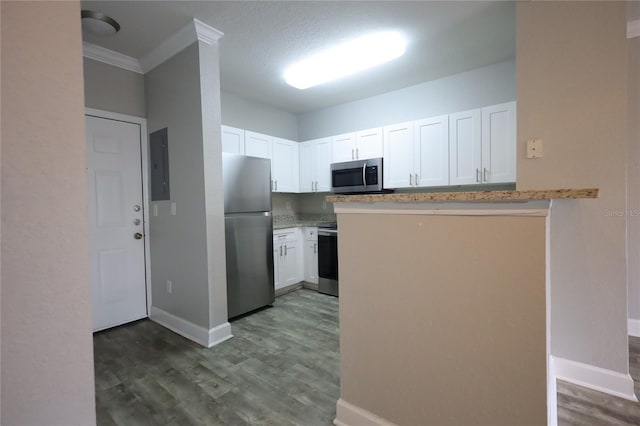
{"x": 262, "y": 38}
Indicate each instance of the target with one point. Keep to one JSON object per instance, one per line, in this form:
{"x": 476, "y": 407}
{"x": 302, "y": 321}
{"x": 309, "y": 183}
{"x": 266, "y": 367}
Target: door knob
{"x": 137, "y": 235}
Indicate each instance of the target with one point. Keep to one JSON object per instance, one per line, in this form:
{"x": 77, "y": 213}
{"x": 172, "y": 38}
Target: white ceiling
{"x": 262, "y": 38}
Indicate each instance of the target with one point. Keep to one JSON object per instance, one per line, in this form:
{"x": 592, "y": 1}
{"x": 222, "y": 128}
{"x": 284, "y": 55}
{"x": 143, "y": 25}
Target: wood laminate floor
{"x": 280, "y": 368}
{"x": 585, "y": 407}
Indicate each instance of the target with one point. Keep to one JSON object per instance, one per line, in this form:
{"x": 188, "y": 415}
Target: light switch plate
{"x": 173, "y": 208}
{"x": 534, "y": 148}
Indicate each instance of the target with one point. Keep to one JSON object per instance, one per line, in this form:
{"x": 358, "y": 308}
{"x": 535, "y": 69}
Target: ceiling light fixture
{"x": 346, "y": 59}
{"x": 98, "y": 23}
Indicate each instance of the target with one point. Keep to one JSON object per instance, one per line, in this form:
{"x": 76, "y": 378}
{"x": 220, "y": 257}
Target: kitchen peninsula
{"x": 443, "y": 306}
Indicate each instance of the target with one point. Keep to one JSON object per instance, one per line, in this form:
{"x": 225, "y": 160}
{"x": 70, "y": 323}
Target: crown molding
{"x": 206, "y": 33}
{"x": 110, "y": 57}
{"x": 194, "y": 31}
{"x": 633, "y": 29}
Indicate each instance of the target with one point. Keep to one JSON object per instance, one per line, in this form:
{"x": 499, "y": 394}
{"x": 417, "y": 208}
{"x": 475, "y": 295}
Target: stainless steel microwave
{"x": 353, "y": 177}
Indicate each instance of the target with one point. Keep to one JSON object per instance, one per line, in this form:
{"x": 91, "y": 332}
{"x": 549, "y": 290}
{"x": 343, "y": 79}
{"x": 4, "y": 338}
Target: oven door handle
{"x": 328, "y": 232}
{"x": 364, "y": 173}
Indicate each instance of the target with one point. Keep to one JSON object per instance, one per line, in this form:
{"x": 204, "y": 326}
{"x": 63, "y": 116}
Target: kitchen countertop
{"x": 292, "y": 221}
{"x": 486, "y": 196}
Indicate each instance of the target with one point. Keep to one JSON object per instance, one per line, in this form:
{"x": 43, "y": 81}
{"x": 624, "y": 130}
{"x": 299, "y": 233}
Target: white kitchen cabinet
{"x": 285, "y": 175}
{"x": 232, "y": 140}
{"x": 499, "y": 143}
{"x": 465, "y": 147}
{"x": 315, "y": 161}
{"x": 431, "y": 152}
{"x": 369, "y": 144}
{"x": 482, "y": 145}
{"x": 311, "y": 254}
{"x": 257, "y": 144}
{"x": 343, "y": 147}
{"x": 416, "y": 154}
{"x": 360, "y": 145}
{"x": 398, "y": 155}
{"x": 287, "y": 257}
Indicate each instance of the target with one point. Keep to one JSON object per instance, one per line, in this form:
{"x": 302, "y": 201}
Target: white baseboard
{"x": 552, "y": 394}
{"x": 349, "y": 415}
{"x": 191, "y": 331}
{"x": 633, "y": 327}
{"x": 219, "y": 334}
{"x": 596, "y": 378}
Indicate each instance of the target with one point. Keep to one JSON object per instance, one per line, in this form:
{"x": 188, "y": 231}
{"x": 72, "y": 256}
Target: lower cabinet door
{"x": 311, "y": 262}
{"x": 290, "y": 269}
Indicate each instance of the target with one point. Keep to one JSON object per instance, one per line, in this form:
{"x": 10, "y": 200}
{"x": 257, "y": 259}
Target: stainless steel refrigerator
{"x": 248, "y": 233}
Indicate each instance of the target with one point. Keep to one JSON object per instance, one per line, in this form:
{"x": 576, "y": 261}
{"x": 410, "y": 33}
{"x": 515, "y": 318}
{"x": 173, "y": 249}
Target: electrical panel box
{"x": 159, "y": 153}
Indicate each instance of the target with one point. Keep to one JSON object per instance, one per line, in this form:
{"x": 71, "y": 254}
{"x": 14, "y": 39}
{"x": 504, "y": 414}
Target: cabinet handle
{"x": 280, "y": 251}
{"x": 364, "y": 174}
{"x": 316, "y": 186}
{"x": 410, "y": 179}
{"x": 486, "y": 173}
{"x": 315, "y": 248}
{"x": 352, "y": 156}
{"x": 417, "y": 179}
{"x": 477, "y": 175}
{"x": 357, "y": 154}
{"x": 285, "y": 249}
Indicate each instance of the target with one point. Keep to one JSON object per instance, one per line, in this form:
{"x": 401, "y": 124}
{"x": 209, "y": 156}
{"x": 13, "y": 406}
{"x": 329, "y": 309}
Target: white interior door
{"x": 116, "y": 227}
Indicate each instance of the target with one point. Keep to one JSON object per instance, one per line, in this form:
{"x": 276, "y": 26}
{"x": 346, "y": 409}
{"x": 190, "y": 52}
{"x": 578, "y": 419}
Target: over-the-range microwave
{"x": 356, "y": 177}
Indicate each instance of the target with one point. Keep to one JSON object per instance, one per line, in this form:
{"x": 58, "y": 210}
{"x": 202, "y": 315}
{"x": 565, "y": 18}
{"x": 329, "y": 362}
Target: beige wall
{"x": 47, "y": 352}
{"x": 442, "y": 318}
{"x": 572, "y": 93}
{"x": 114, "y": 89}
{"x": 633, "y": 180}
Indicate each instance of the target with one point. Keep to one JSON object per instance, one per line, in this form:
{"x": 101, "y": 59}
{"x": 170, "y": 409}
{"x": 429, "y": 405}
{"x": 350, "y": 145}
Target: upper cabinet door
{"x": 232, "y": 140}
{"x": 369, "y": 144}
{"x": 343, "y": 148}
{"x": 323, "y": 165}
{"x": 398, "y": 155}
{"x": 464, "y": 148}
{"x": 499, "y": 143}
{"x": 307, "y": 152}
{"x": 284, "y": 166}
{"x": 431, "y": 151}
{"x": 257, "y": 145}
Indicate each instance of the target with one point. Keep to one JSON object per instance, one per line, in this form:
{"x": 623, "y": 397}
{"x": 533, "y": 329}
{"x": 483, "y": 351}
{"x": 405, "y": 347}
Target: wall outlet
{"x": 534, "y": 148}
{"x": 173, "y": 208}
{"x": 169, "y": 286}
{"x": 155, "y": 209}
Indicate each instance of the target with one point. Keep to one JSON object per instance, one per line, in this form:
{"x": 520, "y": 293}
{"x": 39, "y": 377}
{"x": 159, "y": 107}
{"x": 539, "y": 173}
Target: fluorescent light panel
{"x": 346, "y": 59}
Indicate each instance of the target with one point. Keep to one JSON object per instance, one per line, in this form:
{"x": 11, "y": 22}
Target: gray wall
{"x": 633, "y": 180}
{"x": 257, "y": 117}
{"x": 113, "y": 89}
{"x": 572, "y": 93}
{"x": 213, "y": 188}
{"x": 483, "y": 86}
{"x": 47, "y": 346}
{"x": 179, "y": 243}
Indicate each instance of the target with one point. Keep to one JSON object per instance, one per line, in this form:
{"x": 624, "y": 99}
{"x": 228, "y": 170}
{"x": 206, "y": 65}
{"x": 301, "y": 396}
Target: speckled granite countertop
{"x": 291, "y": 221}
{"x": 486, "y": 196}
